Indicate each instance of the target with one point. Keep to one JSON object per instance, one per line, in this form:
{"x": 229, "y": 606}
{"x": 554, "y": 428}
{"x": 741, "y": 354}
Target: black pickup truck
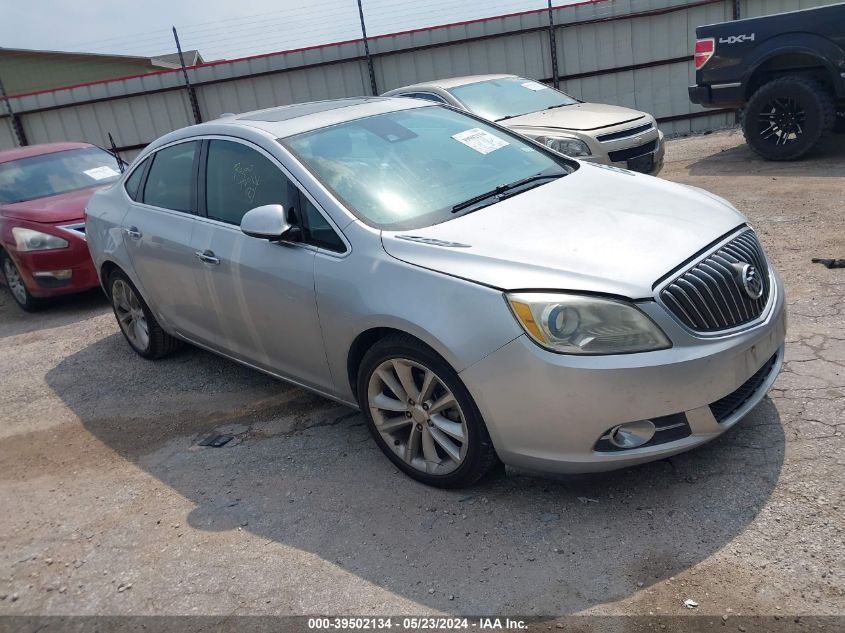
{"x": 786, "y": 72}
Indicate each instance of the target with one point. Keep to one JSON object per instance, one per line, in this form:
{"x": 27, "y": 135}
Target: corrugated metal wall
{"x": 7, "y": 137}
{"x": 754, "y": 8}
{"x": 635, "y": 53}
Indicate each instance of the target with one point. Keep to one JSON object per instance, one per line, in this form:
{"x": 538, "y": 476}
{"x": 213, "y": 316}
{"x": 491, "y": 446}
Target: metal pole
{"x": 737, "y": 11}
{"x": 191, "y": 94}
{"x": 17, "y": 126}
{"x": 553, "y": 47}
{"x": 367, "y": 51}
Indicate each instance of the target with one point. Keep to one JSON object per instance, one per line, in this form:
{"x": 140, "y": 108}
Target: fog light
{"x": 59, "y": 275}
{"x": 632, "y": 434}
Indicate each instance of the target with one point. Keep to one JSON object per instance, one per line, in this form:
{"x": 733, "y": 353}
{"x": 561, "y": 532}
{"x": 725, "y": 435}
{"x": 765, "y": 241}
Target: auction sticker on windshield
{"x": 534, "y": 85}
{"x": 100, "y": 173}
{"x": 481, "y": 141}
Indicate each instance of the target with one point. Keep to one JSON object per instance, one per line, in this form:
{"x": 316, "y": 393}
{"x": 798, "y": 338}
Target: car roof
{"x": 290, "y": 120}
{"x": 38, "y": 150}
{"x": 452, "y": 82}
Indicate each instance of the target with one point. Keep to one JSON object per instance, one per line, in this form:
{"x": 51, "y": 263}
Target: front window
{"x": 53, "y": 174}
{"x": 418, "y": 167}
{"x": 239, "y": 179}
{"x": 500, "y": 99}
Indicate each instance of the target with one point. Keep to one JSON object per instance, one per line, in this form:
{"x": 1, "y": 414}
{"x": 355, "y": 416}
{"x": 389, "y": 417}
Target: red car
{"x": 43, "y": 193}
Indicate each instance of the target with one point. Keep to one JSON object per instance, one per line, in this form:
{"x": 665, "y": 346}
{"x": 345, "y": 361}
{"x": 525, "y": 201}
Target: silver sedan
{"x": 481, "y": 298}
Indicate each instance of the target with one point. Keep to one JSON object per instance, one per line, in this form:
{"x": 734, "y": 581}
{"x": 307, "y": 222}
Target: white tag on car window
{"x": 535, "y": 86}
{"x": 101, "y": 173}
{"x": 479, "y": 140}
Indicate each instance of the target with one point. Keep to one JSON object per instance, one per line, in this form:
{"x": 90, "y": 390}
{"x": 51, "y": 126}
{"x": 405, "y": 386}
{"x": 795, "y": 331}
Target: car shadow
{"x": 827, "y": 159}
{"x": 57, "y": 312}
{"x": 301, "y": 471}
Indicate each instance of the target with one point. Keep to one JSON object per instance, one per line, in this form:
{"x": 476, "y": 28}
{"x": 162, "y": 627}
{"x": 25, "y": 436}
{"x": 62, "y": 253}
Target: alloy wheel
{"x": 13, "y": 279}
{"x": 782, "y": 121}
{"x": 130, "y": 314}
{"x": 418, "y": 416}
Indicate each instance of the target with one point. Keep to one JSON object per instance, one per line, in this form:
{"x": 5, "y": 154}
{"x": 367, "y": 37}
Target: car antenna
{"x": 116, "y": 154}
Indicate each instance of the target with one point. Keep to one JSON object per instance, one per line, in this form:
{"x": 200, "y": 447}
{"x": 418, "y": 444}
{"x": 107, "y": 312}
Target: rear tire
{"x": 426, "y": 423}
{"x": 17, "y": 287}
{"x": 137, "y": 323}
{"x": 786, "y": 117}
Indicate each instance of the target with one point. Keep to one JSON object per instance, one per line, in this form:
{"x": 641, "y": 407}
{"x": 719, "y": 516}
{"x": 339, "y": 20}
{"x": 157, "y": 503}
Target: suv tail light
{"x": 704, "y": 50}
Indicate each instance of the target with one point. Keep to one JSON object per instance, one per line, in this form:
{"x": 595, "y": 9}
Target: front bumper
{"x": 548, "y": 411}
{"x": 38, "y": 267}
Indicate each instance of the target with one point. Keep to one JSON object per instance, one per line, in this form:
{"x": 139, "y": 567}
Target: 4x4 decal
{"x": 736, "y": 39}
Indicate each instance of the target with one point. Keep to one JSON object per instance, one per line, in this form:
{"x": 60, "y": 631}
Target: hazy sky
{"x": 224, "y": 28}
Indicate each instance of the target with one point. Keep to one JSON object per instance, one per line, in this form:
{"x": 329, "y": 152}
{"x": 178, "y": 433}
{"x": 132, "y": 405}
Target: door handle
{"x": 133, "y": 232}
{"x": 207, "y": 257}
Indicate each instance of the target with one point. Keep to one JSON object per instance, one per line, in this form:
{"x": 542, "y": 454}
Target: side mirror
{"x": 268, "y": 222}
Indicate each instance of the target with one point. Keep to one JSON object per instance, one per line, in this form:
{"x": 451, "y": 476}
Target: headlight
{"x": 564, "y": 145}
{"x": 574, "y": 324}
{"x": 29, "y": 240}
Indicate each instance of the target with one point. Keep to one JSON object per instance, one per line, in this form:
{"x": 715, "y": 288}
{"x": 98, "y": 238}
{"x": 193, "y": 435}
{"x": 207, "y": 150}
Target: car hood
{"x": 600, "y": 229}
{"x": 578, "y": 117}
{"x": 65, "y": 207}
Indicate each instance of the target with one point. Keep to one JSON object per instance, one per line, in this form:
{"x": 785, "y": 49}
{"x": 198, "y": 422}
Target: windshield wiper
{"x": 511, "y": 116}
{"x": 499, "y": 191}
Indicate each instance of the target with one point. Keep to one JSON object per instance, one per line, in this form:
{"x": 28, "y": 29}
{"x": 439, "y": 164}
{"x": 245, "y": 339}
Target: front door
{"x": 261, "y": 293}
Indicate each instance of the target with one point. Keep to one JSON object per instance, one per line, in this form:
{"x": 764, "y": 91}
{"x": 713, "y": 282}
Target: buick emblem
{"x": 750, "y": 280}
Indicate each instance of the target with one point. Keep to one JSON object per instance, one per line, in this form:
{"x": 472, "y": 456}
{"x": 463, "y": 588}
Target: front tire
{"x": 786, "y": 117}
{"x": 137, "y": 323}
{"x": 20, "y": 293}
{"x": 421, "y": 414}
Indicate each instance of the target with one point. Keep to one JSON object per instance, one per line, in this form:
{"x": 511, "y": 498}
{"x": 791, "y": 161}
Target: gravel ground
{"x": 110, "y": 507}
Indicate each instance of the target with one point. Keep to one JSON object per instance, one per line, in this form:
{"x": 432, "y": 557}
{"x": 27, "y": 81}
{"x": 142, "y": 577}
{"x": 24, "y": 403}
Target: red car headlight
{"x": 31, "y": 240}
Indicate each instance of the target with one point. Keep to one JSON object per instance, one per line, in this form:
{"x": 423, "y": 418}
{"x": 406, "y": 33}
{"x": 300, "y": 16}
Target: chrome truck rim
{"x": 130, "y": 315}
{"x": 782, "y": 121}
{"x": 418, "y": 416}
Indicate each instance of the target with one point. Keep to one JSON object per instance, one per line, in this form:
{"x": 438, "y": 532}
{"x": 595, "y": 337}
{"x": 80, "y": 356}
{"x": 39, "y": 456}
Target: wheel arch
{"x": 365, "y": 341}
{"x": 783, "y": 56}
{"x": 106, "y": 269}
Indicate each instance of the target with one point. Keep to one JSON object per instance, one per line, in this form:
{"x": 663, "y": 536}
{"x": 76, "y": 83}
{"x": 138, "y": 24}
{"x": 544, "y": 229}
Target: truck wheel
{"x": 786, "y": 117}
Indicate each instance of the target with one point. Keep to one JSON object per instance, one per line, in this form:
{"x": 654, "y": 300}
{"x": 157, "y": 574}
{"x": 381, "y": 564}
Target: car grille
{"x": 632, "y": 152}
{"x": 604, "y": 138}
{"x": 79, "y": 229}
{"x": 723, "y": 409}
{"x": 711, "y": 296}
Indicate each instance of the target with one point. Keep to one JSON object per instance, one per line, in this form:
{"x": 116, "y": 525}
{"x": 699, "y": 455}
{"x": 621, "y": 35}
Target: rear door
{"x": 260, "y": 293}
{"x": 158, "y": 230}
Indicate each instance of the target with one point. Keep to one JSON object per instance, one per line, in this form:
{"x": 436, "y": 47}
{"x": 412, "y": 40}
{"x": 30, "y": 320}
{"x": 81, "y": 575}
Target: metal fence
{"x": 634, "y": 53}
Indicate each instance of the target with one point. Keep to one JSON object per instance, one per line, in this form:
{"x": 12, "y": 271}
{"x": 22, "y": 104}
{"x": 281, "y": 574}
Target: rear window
{"x": 133, "y": 183}
{"x": 53, "y": 174}
{"x": 170, "y": 181}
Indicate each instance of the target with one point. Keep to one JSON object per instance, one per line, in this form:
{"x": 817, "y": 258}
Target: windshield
{"x": 409, "y": 169}
{"x": 500, "y": 99}
{"x": 59, "y": 172}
